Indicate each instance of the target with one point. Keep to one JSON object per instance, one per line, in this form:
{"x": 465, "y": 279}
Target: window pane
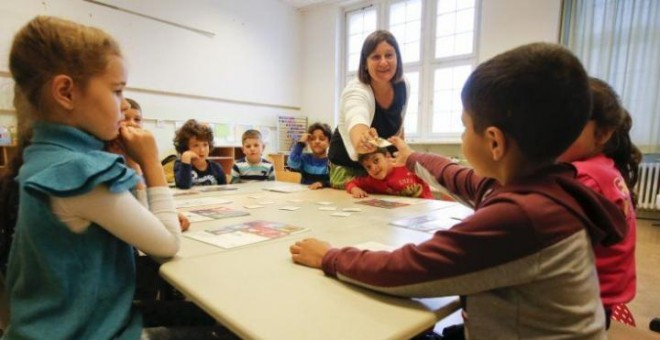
{"x": 398, "y": 13}
{"x": 446, "y": 25}
{"x": 465, "y": 21}
{"x": 463, "y": 43}
{"x": 411, "y": 123}
{"x": 444, "y": 47}
{"x": 447, "y": 108}
{"x": 462, "y": 4}
{"x": 359, "y": 24}
{"x": 406, "y": 25}
{"x": 454, "y": 26}
{"x": 446, "y": 6}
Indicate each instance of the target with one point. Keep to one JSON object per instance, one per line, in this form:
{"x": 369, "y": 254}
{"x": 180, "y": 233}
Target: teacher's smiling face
{"x": 382, "y": 63}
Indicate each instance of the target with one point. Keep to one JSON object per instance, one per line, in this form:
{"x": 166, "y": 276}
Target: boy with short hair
{"x": 252, "y": 167}
{"x": 312, "y": 166}
{"x": 194, "y": 141}
{"x": 385, "y": 177}
{"x": 523, "y": 262}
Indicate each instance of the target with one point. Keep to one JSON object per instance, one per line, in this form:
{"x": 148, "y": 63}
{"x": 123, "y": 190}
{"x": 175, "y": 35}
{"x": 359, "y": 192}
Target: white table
{"x": 258, "y": 292}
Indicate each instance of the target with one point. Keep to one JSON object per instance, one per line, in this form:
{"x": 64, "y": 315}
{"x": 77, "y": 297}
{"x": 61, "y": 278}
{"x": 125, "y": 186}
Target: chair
{"x": 288, "y": 176}
{"x": 278, "y": 161}
{"x": 168, "y": 167}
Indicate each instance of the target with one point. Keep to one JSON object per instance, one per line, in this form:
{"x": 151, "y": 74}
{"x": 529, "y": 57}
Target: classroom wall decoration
{"x": 289, "y": 130}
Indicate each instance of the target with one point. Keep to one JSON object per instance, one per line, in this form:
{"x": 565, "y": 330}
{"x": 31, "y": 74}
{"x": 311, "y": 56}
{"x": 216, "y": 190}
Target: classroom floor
{"x": 646, "y": 304}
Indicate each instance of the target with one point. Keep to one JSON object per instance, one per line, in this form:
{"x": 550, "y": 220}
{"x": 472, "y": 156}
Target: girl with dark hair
{"x": 607, "y": 161}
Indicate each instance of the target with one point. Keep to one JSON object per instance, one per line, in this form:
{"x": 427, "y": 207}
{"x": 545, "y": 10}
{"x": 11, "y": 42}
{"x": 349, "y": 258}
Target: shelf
{"x": 225, "y": 156}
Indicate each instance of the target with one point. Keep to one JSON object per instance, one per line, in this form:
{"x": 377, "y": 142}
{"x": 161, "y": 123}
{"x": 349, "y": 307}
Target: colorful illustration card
{"x": 380, "y": 203}
{"x": 242, "y": 234}
{"x": 209, "y": 213}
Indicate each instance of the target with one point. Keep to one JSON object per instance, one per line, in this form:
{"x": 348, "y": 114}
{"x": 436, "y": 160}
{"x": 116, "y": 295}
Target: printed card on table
{"x": 287, "y": 188}
{"x": 198, "y": 202}
{"x": 213, "y": 188}
{"x": 380, "y": 203}
{"x": 209, "y": 213}
{"x": 242, "y": 234}
{"x": 441, "y": 219}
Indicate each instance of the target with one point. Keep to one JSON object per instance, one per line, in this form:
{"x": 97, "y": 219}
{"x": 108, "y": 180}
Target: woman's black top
{"x": 387, "y": 121}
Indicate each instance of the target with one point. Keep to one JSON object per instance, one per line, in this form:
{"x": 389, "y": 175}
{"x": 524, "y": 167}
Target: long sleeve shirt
{"x": 523, "y": 261}
{"x": 399, "y": 182}
{"x": 311, "y": 168}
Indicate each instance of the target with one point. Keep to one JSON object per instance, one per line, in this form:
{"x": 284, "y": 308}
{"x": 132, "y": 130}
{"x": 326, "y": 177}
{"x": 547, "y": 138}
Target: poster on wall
{"x": 289, "y": 130}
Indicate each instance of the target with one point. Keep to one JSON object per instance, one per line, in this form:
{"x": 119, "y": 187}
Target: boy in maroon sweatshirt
{"x": 523, "y": 262}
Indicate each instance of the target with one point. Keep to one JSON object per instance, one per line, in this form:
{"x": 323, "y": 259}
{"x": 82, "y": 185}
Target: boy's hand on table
{"x": 358, "y": 193}
{"x": 315, "y": 185}
{"x": 309, "y": 252}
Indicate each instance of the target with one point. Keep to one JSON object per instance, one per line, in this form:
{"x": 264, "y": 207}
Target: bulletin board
{"x": 289, "y": 130}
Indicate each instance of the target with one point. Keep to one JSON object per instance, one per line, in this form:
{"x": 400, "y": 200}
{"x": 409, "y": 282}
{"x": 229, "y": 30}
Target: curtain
{"x": 618, "y": 41}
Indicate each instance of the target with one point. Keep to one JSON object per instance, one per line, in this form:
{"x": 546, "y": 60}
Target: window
{"x": 617, "y": 42}
{"x": 437, "y": 39}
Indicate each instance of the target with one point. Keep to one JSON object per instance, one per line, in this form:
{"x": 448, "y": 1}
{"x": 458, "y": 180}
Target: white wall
{"x": 266, "y": 58}
{"x": 504, "y": 24}
{"x": 321, "y": 64}
{"x": 248, "y": 73}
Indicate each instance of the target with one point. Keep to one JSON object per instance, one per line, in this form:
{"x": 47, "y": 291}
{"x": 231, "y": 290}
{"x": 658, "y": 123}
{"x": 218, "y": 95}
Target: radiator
{"x": 648, "y": 186}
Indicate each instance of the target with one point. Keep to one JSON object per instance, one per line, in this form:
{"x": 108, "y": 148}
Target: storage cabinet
{"x": 225, "y": 156}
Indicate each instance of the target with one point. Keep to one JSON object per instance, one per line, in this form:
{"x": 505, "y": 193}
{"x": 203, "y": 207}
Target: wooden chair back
{"x": 288, "y": 176}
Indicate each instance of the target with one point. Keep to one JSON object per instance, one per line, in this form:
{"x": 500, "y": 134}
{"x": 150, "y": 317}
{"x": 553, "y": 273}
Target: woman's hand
{"x": 309, "y": 252}
{"x": 366, "y": 141}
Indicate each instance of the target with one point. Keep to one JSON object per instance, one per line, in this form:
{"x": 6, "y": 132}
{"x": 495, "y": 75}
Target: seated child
{"x": 523, "y": 262}
{"x": 194, "y": 142}
{"x": 384, "y": 177}
{"x": 252, "y": 167}
{"x": 607, "y": 161}
{"x": 313, "y": 166}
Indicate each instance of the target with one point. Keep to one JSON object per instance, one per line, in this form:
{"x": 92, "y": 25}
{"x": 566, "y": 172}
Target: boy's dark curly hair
{"x": 327, "y": 130}
{"x": 192, "y": 128}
